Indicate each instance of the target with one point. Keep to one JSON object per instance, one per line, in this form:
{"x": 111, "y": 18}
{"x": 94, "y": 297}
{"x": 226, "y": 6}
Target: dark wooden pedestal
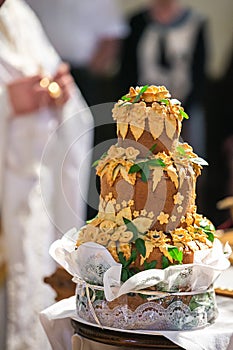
{"x": 123, "y": 339}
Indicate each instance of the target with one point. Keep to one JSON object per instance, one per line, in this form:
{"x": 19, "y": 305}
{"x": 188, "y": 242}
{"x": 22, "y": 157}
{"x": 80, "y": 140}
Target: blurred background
{"x": 219, "y": 15}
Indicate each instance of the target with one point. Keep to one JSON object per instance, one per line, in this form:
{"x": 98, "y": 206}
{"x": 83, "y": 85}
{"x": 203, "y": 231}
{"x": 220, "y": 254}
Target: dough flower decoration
{"x": 130, "y": 202}
{"x": 158, "y": 238}
{"x": 184, "y": 154}
{"x": 114, "y": 167}
{"x": 180, "y": 235}
{"x": 88, "y": 234}
{"x": 179, "y": 209}
{"x": 146, "y": 93}
{"x": 115, "y": 152}
{"x": 178, "y": 198}
{"x": 143, "y": 212}
{"x": 173, "y": 218}
{"x": 163, "y": 218}
{"x": 131, "y": 153}
{"x": 118, "y": 232}
{"x": 107, "y": 226}
{"x": 189, "y": 219}
{"x": 135, "y": 213}
{"x": 103, "y": 238}
{"x": 117, "y": 160}
{"x": 125, "y": 248}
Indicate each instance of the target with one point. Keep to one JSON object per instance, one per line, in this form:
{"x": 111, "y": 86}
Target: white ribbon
{"x": 92, "y": 262}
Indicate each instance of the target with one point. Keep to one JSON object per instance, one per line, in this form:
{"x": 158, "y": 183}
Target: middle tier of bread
{"x": 167, "y": 204}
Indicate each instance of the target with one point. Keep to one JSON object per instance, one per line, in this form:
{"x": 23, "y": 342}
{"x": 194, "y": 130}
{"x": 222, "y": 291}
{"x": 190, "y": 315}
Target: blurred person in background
{"x": 45, "y": 142}
{"x": 88, "y": 35}
{"x": 166, "y": 46}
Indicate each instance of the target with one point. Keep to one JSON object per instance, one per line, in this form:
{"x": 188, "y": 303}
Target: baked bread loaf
{"x": 147, "y": 216}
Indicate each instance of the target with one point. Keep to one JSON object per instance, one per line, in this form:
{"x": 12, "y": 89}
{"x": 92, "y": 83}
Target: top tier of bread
{"x": 148, "y": 118}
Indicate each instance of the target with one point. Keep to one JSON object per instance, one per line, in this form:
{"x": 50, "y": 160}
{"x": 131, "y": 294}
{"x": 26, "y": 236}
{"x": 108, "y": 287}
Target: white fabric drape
{"x": 44, "y": 176}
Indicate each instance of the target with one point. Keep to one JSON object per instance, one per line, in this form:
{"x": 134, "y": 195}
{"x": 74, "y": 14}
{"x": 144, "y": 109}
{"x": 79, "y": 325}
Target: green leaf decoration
{"x": 122, "y": 259}
{"x": 197, "y": 160}
{"x": 208, "y": 229}
{"x": 181, "y": 151}
{"x": 143, "y": 168}
{"x": 184, "y": 115}
{"x": 205, "y": 224}
{"x": 124, "y": 275}
{"x": 125, "y": 98}
{"x": 176, "y": 254}
{"x": 99, "y": 295}
{"x": 143, "y": 177}
{"x": 131, "y": 227}
{"x": 127, "y": 271}
{"x": 126, "y": 101}
{"x": 165, "y": 101}
{"x": 142, "y": 90}
{"x": 210, "y": 236}
{"x": 156, "y": 162}
{"x": 153, "y": 148}
{"x": 132, "y": 258}
{"x": 150, "y": 265}
{"x": 165, "y": 262}
{"x": 145, "y": 172}
{"x": 134, "y": 255}
{"x": 131, "y": 273}
{"x": 125, "y": 263}
{"x": 141, "y": 247}
{"x": 134, "y": 168}
{"x": 89, "y": 221}
{"x": 96, "y": 162}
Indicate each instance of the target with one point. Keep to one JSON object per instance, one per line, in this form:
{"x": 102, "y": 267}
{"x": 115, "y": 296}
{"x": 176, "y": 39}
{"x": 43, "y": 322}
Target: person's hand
{"x": 66, "y": 84}
{"x": 26, "y": 95}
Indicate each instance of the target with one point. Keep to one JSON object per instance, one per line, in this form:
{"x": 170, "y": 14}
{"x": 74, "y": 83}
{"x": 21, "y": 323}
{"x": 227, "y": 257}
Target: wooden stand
{"x": 123, "y": 339}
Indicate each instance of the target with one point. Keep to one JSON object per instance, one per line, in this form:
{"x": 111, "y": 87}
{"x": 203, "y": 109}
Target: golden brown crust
{"x": 165, "y": 198}
{"x": 146, "y": 141}
{"x": 148, "y": 180}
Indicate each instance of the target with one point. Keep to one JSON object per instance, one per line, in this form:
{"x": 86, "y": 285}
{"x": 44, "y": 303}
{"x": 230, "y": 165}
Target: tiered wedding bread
{"x": 147, "y": 215}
